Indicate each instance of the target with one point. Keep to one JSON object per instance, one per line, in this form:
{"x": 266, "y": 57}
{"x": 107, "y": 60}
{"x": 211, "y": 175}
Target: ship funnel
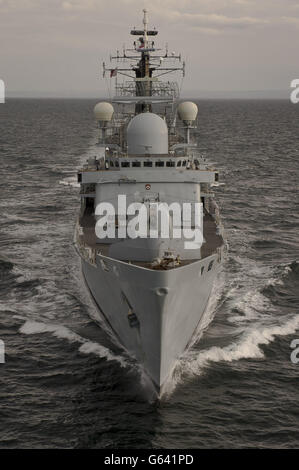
{"x": 187, "y": 112}
{"x": 147, "y": 133}
{"x": 103, "y": 112}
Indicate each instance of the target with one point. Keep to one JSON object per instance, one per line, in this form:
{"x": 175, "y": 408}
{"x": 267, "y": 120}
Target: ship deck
{"x": 212, "y": 239}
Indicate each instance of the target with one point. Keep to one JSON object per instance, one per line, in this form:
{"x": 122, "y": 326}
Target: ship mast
{"x": 145, "y": 55}
{"x": 143, "y": 72}
{"x": 145, "y": 67}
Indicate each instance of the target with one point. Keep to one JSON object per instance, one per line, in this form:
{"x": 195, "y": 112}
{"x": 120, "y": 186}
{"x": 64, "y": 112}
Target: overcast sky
{"x": 232, "y": 47}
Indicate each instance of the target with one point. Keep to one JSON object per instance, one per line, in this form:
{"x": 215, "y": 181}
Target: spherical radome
{"x": 103, "y": 111}
{"x": 187, "y": 111}
{"x": 147, "y": 133}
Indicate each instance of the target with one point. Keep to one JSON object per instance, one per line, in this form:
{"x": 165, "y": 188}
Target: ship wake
{"x": 85, "y": 346}
{"x": 245, "y": 322}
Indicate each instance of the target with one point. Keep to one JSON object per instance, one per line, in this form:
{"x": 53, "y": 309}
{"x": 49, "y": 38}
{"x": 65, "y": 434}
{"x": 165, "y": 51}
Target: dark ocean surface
{"x": 64, "y": 383}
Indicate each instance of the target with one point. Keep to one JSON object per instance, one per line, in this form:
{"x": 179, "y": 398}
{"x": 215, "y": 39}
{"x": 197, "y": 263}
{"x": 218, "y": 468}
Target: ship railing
{"x": 88, "y": 253}
{"x": 157, "y": 88}
{"x": 142, "y": 99}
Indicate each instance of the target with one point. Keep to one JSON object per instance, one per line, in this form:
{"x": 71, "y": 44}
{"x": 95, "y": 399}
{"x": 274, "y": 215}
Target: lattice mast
{"x": 145, "y": 66}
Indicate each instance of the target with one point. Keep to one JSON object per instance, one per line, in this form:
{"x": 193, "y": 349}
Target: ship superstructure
{"x": 152, "y": 290}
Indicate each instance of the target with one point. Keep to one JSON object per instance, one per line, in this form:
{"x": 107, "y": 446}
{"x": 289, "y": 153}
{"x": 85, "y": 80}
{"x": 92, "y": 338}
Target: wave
{"x": 5, "y": 266}
{"x": 248, "y": 347}
{"x": 247, "y": 321}
{"x": 31, "y": 327}
{"x": 70, "y": 181}
{"x": 90, "y": 152}
{"x": 13, "y": 218}
{"x": 249, "y": 306}
{"x": 283, "y": 289}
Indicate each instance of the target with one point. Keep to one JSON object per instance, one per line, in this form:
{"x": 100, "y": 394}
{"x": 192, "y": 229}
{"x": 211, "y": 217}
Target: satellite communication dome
{"x": 147, "y": 133}
{"x": 187, "y": 111}
{"x": 103, "y": 111}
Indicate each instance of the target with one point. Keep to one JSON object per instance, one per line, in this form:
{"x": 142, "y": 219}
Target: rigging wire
{"x": 181, "y": 86}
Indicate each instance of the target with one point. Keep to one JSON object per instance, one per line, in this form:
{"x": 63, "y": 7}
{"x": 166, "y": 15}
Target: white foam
{"x": 70, "y": 181}
{"x": 91, "y": 152}
{"x": 252, "y": 304}
{"x": 16, "y": 218}
{"x": 258, "y": 325}
{"x": 89, "y": 347}
{"x": 248, "y": 347}
{"x": 31, "y": 327}
{"x": 279, "y": 278}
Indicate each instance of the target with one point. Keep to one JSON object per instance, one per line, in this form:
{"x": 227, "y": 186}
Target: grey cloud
{"x": 56, "y": 46}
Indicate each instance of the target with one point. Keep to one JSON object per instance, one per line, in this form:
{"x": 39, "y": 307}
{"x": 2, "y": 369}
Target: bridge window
{"x": 125, "y": 164}
{"x": 148, "y": 164}
{"x": 184, "y": 162}
{"x": 170, "y": 163}
{"x": 179, "y": 163}
{"x": 210, "y": 265}
{"x": 117, "y": 163}
{"x": 136, "y": 164}
{"x": 159, "y": 163}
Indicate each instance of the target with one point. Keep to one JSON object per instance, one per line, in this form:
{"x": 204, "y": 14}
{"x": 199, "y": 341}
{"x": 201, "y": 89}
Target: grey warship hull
{"x": 169, "y": 304}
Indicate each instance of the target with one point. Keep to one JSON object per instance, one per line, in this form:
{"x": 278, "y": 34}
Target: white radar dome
{"x": 187, "y": 111}
{"x": 147, "y": 133}
{"x": 103, "y": 111}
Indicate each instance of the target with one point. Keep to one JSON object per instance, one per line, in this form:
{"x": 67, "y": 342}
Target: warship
{"x": 151, "y": 289}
